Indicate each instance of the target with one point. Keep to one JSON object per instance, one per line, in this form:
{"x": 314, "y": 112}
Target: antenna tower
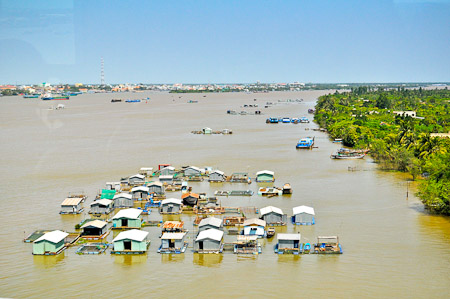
{"x": 102, "y": 73}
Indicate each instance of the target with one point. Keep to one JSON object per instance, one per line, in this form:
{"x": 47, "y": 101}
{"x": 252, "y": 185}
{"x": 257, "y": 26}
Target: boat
{"x": 305, "y": 143}
{"x": 270, "y": 232}
{"x": 286, "y": 120}
{"x": 306, "y": 248}
{"x": 132, "y": 101}
{"x": 51, "y": 97}
{"x": 295, "y": 120}
{"x": 328, "y": 245}
{"x": 345, "y": 153}
{"x": 311, "y": 111}
{"x": 30, "y": 96}
{"x": 304, "y": 120}
{"x": 116, "y": 100}
{"x": 270, "y": 191}
{"x": 287, "y": 189}
{"x": 272, "y": 120}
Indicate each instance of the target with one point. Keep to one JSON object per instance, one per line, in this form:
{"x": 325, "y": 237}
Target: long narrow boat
{"x": 30, "y": 96}
{"x": 50, "y": 97}
{"x": 344, "y": 153}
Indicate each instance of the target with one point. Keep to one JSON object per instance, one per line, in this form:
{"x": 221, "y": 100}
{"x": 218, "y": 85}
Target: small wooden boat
{"x": 287, "y": 189}
{"x": 270, "y": 232}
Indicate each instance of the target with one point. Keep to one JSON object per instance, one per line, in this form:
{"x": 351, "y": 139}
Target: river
{"x": 392, "y": 247}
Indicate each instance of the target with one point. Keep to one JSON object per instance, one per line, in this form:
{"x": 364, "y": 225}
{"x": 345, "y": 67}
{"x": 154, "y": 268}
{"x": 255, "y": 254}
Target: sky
{"x": 63, "y": 41}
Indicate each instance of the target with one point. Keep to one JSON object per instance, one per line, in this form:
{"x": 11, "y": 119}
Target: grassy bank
{"x": 373, "y": 118}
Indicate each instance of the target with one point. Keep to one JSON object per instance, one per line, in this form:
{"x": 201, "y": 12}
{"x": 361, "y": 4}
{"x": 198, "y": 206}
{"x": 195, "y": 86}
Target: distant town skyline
{"x": 224, "y": 42}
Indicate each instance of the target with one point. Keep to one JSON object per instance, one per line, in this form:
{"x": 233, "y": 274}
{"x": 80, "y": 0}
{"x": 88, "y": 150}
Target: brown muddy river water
{"x": 392, "y": 248}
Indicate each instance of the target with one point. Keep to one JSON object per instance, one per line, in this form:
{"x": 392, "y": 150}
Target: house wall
{"x": 156, "y": 189}
{"x": 303, "y": 217}
{"x": 70, "y": 209}
{"x": 140, "y": 195}
{"x": 208, "y": 244}
{"x": 259, "y": 230}
{"x": 191, "y": 172}
{"x": 98, "y": 209}
{"x": 134, "y": 223}
{"x": 274, "y": 218}
{"x": 208, "y": 226}
{"x": 178, "y": 243}
{"x": 135, "y": 245}
{"x": 46, "y": 246}
{"x": 168, "y": 181}
{"x": 167, "y": 172}
{"x": 122, "y": 202}
{"x": 286, "y": 244}
{"x": 136, "y": 181}
{"x": 264, "y": 178}
{"x": 165, "y": 208}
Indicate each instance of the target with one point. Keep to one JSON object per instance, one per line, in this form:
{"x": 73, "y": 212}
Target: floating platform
{"x": 211, "y": 251}
{"x": 173, "y": 250}
{"x": 72, "y": 213}
{"x": 36, "y": 235}
{"x": 92, "y": 248}
{"x": 94, "y": 238}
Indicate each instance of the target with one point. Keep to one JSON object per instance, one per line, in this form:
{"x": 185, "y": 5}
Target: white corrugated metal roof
{"x": 210, "y": 221}
{"x": 254, "y": 221}
{"x": 95, "y": 223}
{"x": 166, "y": 177}
{"x": 155, "y": 184}
{"x": 71, "y": 201}
{"x": 218, "y": 171}
{"x": 171, "y": 200}
{"x": 270, "y": 209}
{"x": 140, "y": 188}
{"x": 212, "y": 233}
{"x": 288, "y": 237}
{"x": 173, "y": 236}
{"x": 193, "y": 167}
{"x": 54, "y": 236}
{"x": 139, "y": 176}
{"x": 103, "y": 202}
{"x": 169, "y": 167}
{"x": 126, "y": 195}
{"x": 130, "y": 213}
{"x": 146, "y": 168}
{"x": 265, "y": 172}
{"x": 303, "y": 209}
{"x": 133, "y": 234}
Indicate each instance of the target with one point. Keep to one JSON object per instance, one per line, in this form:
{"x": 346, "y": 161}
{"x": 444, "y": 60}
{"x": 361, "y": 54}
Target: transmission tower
{"x": 102, "y": 73}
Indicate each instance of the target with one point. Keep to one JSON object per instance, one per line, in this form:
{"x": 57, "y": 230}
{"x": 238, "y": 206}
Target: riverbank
{"x": 404, "y": 129}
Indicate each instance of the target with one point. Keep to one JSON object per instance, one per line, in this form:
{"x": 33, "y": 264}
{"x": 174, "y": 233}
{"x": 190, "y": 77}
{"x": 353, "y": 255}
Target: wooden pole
{"x": 407, "y": 189}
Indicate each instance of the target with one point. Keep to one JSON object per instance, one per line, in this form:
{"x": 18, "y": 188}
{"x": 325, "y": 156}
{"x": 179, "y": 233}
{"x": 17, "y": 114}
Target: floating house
{"x": 50, "y": 243}
{"x": 169, "y": 170}
{"x": 303, "y": 215}
{"x": 146, "y": 171}
{"x": 173, "y": 243}
{"x": 140, "y": 193}
{"x": 207, "y": 130}
{"x": 265, "y": 176}
{"x": 254, "y": 226}
{"x": 273, "y": 216}
{"x": 192, "y": 171}
{"x": 94, "y": 230}
{"x": 190, "y": 198}
{"x": 247, "y": 245}
{"x": 113, "y": 186}
{"x": 71, "y": 205}
{"x": 288, "y": 243}
{"x": 166, "y": 179}
{"x": 128, "y": 218}
{"x": 102, "y": 206}
{"x": 123, "y": 200}
{"x": 171, "y": 206}
{"x": 209, "y": 241}
{"x": 217, "y": 176}
{"x": 156, "y": 187}
{"x": 240, "y": 177}
{"x": 137, "y": 179}
{"x": 210, "y": 223}
{"x": 131, "y": 242}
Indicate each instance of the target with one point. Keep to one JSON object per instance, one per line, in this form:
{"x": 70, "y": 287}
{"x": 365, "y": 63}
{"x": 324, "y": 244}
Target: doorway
{"x": 124, "y": 222}
{"x": 127, "y": 245}
{"x": 200, "y": 245}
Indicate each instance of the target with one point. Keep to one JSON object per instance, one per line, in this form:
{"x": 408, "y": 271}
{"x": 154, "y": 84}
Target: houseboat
{"x": 190, "y": 198}
{"x": 273, "y": 216}
{"x": 140, "y": 193}
{"x": 288, "y": 243}
{"x": 127, "y": 219}
{"x": 94, "y": 230}
{"x": 303, "y": 215}
{"x": 209, "y": 223}
{"x": 131, "y": 242}
{"x": 146, "y": 171}
{"x": 102, "y": 206}
{"x": 123, "y": 200}
{"x": 254, "y": 226}
{"x": 51, "y": 243}
{"x": 305, "y": 143}
{"x": 247, "y": 245}
{"x": 270, "y": 191}
{"x": 192, "y": 171}
{"x": 168, "y": 170}
{"x": 156, "y": 188}
{"x": 173, "y": 243}
{"x": 216, "y": 176}
{"x": 171, "y": 206}
{"x": 240, "y": 177}
{"x": 71, "y": 205}
{"x": 327, "y": 245}
{"x": 137, "y": 179}
{"x": 265, "y": 176}
{"x": 209, "y": 241}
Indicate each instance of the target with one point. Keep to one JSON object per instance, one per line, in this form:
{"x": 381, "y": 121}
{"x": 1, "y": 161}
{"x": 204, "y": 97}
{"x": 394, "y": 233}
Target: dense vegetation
{"x": 365, "y": 118}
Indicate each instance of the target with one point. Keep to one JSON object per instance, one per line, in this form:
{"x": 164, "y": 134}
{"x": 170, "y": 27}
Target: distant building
{"x": 273, "y": 216}
{"x": 50, "y": 243}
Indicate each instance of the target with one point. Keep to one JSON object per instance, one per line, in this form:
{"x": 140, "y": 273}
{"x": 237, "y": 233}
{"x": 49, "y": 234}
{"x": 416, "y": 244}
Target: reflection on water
{"x": 288, "y": 258}
{"x": 130, "y": 259}
{"x": 172, "y": 258}
{"x": 208, "y": 260}
{"x": 171, "y": 218}
{"x": 48, "y": 261}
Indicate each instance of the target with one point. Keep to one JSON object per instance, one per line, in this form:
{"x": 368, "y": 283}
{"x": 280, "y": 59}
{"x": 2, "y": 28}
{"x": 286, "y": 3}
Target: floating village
{"x": 123, "y": 209}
